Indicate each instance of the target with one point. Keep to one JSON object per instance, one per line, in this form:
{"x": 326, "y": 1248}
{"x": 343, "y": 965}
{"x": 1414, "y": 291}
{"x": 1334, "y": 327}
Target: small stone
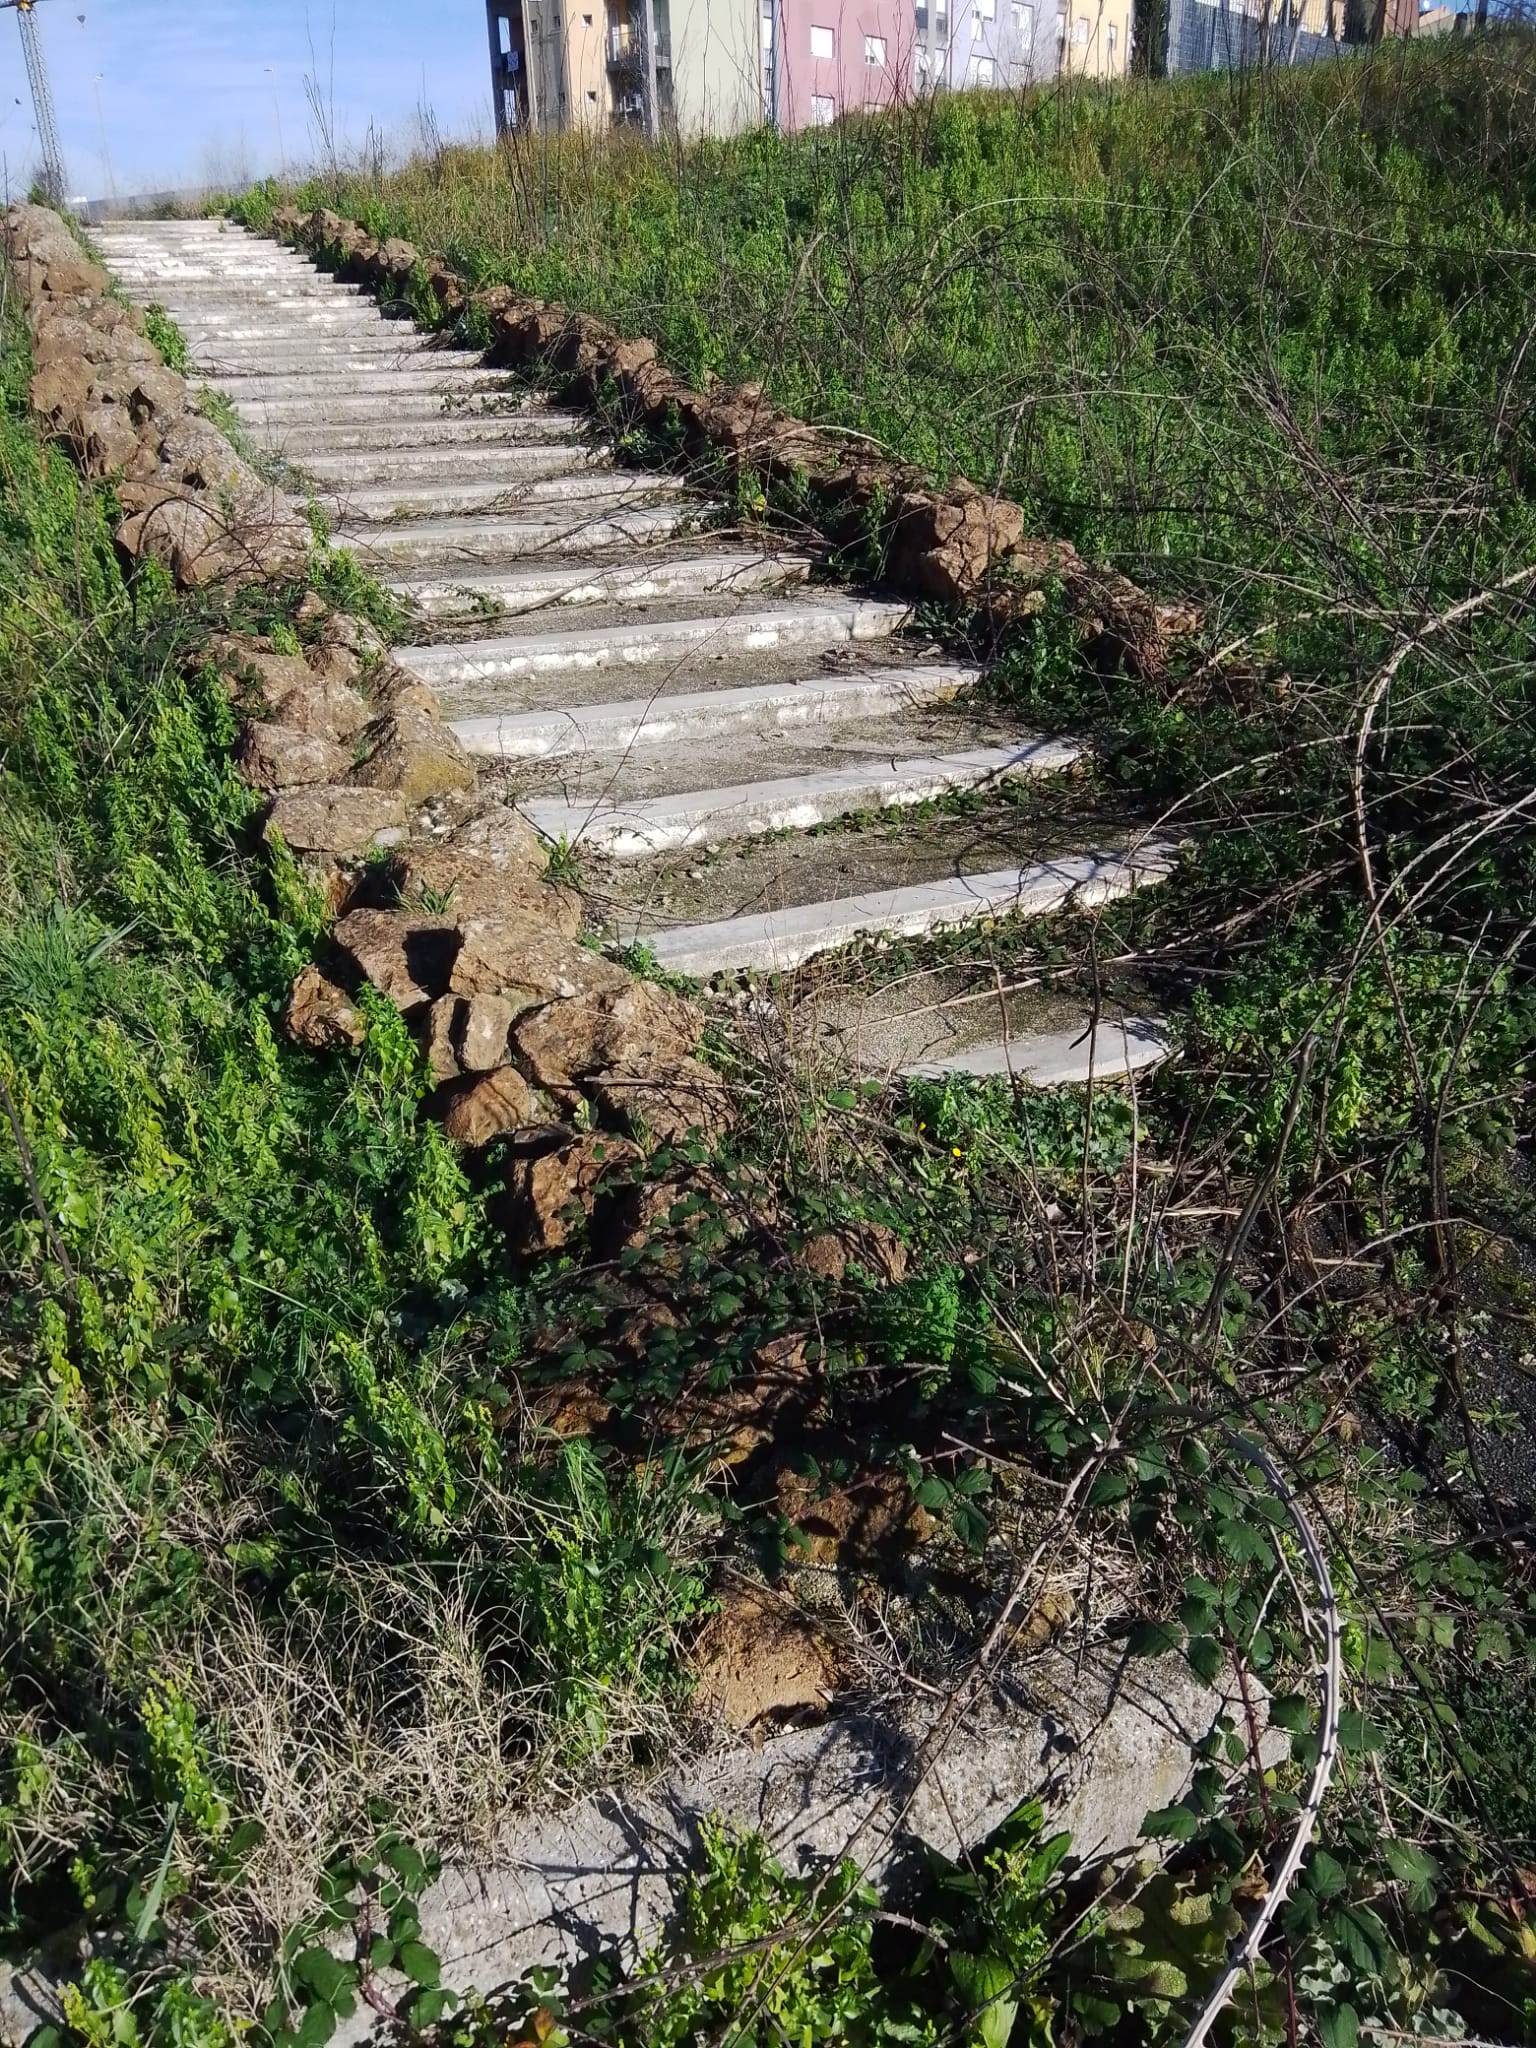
{"x": 407, "y": 955}
{"x": 551, "y": 1194}
{"x": 504, "y": 838}
{"x": 338, "y": 821}
{"x": 760, "y": 1658}
{"x": 483, "y": 1024}
{"x": 442, "y": 1060}
{"x": 871, "y": 1247}
{"x": 418, "y": 755}
{"x": 277, "y": 757}
{"x": 528, "y": 963}
{"x": 621, "y": 1027}
{"x": 493, "y": 1107}
{"x": 321, "y": 1015}
{"x": 675, "y": 1100}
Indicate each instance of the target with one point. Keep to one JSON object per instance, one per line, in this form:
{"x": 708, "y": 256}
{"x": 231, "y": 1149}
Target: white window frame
{"x": 823, "y": 110}
{"x": 874, "y": 52}
{"x": 823, "y": 44}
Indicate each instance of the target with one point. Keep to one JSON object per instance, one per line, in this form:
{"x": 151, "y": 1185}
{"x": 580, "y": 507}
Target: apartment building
{"x": 825, "y": 58}
{"x": 689, "y": 65}
{"x": 987, "y": 44}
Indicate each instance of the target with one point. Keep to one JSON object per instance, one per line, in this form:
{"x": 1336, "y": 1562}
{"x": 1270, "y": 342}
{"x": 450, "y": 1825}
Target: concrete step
{"x": 342, "y": 409}
{"x": 319, "y": 347}
{"x": 446, "y": 544}
{"x": 484, "y": 462}
{"x": 1113, "y": 1050}
{"x": 811, "y": 625}
{"x": 778, "y": 940}
{"x": 405, "y": 501}
{"x": 642, "y": 581}
{"x": 445, "y": 430}
{"x": 632, "y": 829}
{"x": 261, "y": 329}
{"x": 457, "y": 379}
{"x": 644, "y": 722}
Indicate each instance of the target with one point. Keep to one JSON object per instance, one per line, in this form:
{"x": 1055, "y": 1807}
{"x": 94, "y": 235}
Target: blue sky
{"x": 155, "y": 93}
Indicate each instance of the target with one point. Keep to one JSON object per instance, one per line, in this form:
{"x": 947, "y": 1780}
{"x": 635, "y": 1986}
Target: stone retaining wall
{"x": 959, "y": 545}
{"x": 441, "y": 898}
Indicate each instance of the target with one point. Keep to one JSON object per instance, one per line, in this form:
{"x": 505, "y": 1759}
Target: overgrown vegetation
{"x": 282, "y": 1548}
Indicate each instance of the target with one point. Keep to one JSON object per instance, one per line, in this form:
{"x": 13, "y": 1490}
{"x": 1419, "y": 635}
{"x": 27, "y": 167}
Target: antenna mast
{"x": 42, "y": 99}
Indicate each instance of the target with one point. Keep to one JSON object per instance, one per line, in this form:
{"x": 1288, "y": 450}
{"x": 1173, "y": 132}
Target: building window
{"x": 823, "y": 110}
{"x": 982, "y": 71}
{"x": 1111, "y": 44}
{"x": 1080, "y": 31}
{"x": 823, "y": 43}
{"x": 874, "y": 51}
{"x": 986, "y": 10}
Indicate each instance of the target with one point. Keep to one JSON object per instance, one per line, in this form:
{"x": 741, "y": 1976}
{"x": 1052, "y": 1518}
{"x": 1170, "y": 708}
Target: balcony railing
{"x": 626, "y": 49}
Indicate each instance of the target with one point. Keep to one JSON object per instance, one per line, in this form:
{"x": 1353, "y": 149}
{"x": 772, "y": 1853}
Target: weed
{"x": 168, "y": 339}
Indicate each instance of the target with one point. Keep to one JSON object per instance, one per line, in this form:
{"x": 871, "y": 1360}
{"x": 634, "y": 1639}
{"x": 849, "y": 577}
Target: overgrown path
{"x": 753, "y": 764}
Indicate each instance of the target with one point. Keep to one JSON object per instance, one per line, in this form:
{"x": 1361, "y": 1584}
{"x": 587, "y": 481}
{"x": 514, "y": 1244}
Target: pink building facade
{"x": 825, "y": 58}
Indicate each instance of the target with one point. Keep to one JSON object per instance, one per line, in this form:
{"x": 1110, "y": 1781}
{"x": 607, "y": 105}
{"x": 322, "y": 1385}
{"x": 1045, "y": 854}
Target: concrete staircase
{"x": 744, "y": 757}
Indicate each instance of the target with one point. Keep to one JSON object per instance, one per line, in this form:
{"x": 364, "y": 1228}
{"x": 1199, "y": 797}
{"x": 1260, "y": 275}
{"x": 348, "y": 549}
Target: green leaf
{"x": 1412, "y": 1866}
{"x": 421, "y": 1965}
{"x": 1358, "y": 1734}
{"x": 317, "y": 2025}
{"x": 970, "y": 1525}
{"x": 1292, "y": 1711}
{"x": 426, "y": 2008}
{"x": 933, "y": 1493}
{"x": 984, "y": 1982}
{"x": 1205, "y": 1657}
{"x": 408, "y": 1864}
{"x": 1155, "y": 1638}
{"x": 1339, "y": 2026}
{"x": 1170, "y": 1823}
{"x": 320, "y": 1972}
{"x": 1326, "y": 1875}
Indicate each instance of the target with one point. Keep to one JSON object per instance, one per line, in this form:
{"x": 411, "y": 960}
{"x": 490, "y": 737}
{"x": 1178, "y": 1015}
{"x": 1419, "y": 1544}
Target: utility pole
{"x": 652, "y": 89}
{"x": 42, "y": 100}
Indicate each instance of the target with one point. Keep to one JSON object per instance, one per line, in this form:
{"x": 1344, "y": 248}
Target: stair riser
{"x": 642, "y": 647}
{"x": 671, "y": 824}
{"x": 618, "y": 729}
{"x": 515, "y": 597}
{"x": 779, "y": 941}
